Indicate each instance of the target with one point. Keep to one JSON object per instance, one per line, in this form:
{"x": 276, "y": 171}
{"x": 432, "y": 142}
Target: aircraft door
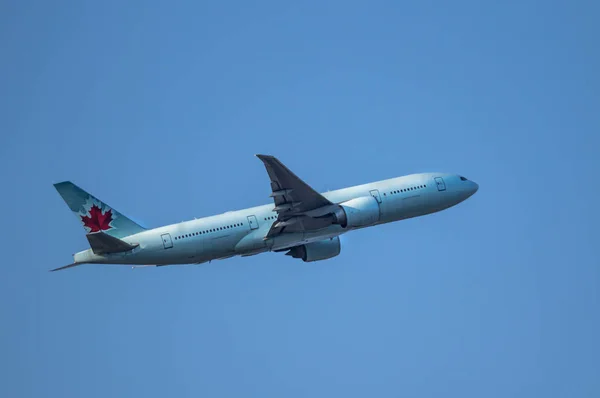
{"x": 253, "y": 222}
{"x": 441, "y": 185}
{"x": 167, "y": 242}
{"x": 375, "y": 193}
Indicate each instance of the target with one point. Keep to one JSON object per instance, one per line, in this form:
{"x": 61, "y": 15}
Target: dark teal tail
{"x": 95, "y": 215}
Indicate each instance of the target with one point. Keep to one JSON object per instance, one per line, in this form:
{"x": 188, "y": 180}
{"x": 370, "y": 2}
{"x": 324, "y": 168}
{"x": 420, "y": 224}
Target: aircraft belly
{"x": 252, "y": 242}
{"x": 218, "y": 247}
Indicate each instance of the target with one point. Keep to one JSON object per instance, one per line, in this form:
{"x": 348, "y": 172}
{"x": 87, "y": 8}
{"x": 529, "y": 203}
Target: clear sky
{"x": 158, "y": 108}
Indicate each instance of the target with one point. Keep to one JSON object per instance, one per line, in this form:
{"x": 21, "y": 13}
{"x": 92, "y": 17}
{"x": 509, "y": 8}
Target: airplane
{"x": 302, "y": 222}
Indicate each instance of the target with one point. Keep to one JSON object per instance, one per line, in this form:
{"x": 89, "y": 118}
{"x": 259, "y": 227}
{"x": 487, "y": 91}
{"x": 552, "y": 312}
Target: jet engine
{"x": 357, "y": 212}
{"x": 315, "y": 251}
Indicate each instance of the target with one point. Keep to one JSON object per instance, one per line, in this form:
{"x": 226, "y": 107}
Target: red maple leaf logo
{"x": 97, "y": 221}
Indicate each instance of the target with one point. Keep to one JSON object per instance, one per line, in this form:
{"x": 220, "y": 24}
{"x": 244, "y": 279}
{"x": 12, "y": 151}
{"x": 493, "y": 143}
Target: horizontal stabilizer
{"x": 102, "y": 243}
{"x": 65, "y": 267}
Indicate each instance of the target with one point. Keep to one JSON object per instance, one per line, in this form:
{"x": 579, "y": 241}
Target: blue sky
{"x": 158, "y": 107}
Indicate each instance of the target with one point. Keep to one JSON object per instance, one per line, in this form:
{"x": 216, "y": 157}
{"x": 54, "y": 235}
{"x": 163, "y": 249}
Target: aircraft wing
{"x": 297, "y": 205}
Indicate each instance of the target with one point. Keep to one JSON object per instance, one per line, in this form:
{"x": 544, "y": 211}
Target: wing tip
{"x": 61, "y": 183}
{"x": 262, "y": 156}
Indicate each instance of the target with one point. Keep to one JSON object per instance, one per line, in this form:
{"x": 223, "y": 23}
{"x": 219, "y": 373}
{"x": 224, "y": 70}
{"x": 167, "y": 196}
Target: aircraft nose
{"x": 473, "y": 188}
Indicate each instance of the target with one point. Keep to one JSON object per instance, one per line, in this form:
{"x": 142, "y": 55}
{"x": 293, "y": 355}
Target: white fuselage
{"x": 243, "y": 232}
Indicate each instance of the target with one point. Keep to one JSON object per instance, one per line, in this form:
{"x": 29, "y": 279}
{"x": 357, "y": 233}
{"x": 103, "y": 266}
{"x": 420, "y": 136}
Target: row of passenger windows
{"x": 209, "y": 231}
{"x": 407, "y": 189}
{"x": 274, "y": 217}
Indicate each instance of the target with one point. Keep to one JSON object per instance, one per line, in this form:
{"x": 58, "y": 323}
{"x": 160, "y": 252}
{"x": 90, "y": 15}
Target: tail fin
{"x": 95, "y": 215}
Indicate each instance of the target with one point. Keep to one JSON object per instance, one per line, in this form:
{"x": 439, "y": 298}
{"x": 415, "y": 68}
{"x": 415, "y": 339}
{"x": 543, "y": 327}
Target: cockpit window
{"x": 463, "y": 178}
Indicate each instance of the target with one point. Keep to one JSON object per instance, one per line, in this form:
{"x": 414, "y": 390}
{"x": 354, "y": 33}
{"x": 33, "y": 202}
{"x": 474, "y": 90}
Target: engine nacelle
{"x": 315, "y": 251}
{"x": 357, "y": 212}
